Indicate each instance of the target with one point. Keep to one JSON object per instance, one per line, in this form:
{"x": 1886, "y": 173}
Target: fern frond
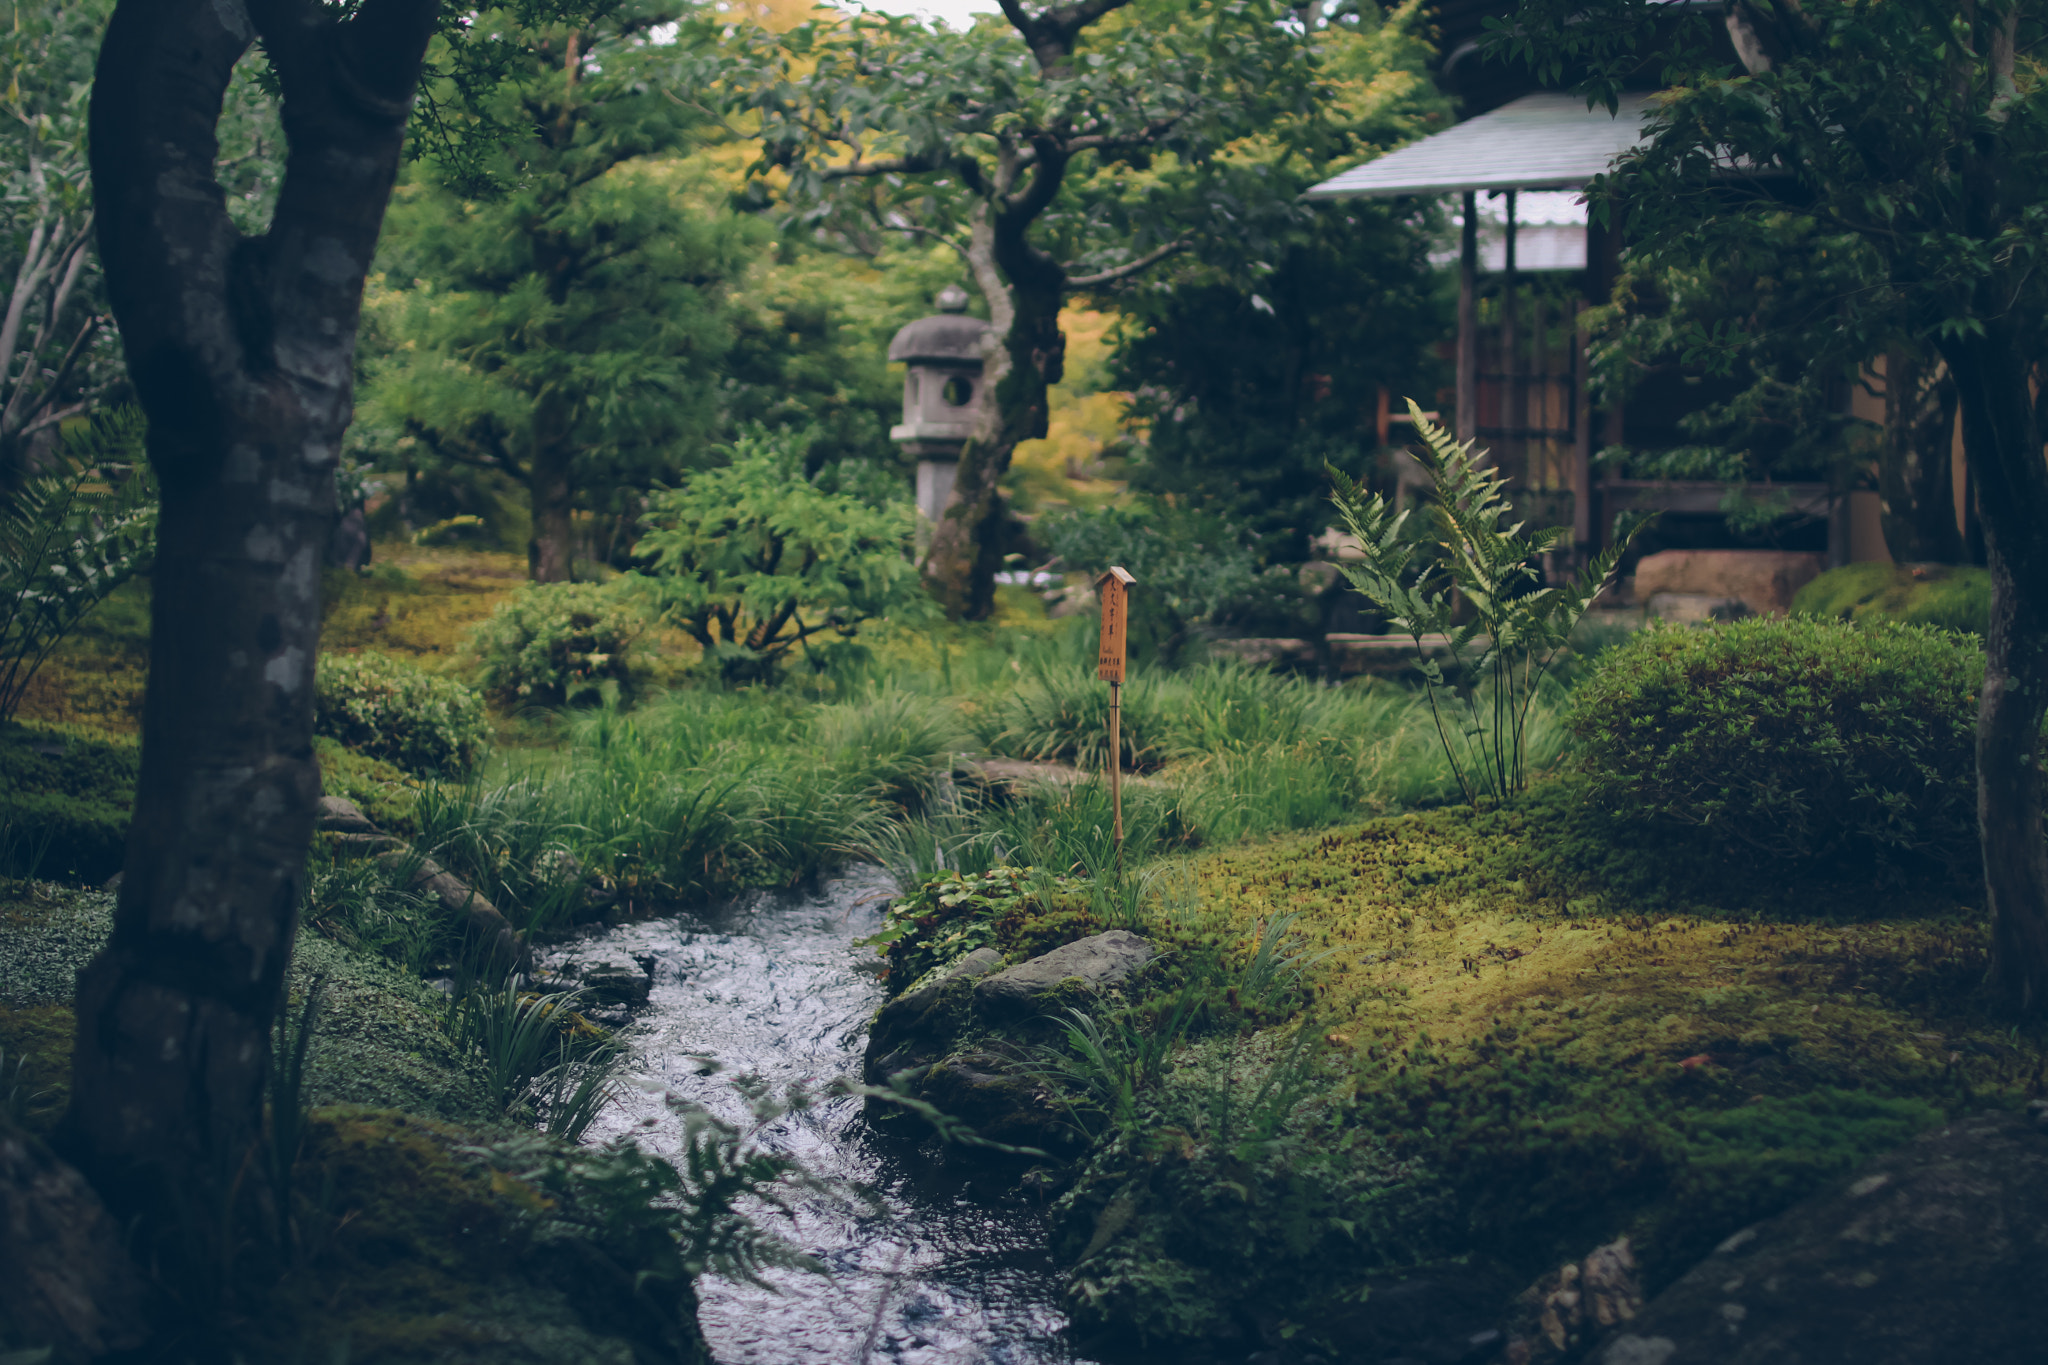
{"x": 69, "y": 536}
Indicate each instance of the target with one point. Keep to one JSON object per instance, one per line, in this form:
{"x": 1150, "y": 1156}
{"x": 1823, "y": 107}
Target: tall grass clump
{"x": 1059, "y": 712}
{"x": 893, "y": 746}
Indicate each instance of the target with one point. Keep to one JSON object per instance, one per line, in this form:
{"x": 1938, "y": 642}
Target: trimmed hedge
{"x": 387, "y": 709}
{"x": 64, "y": 802}
{"x": 1797, "y": 738}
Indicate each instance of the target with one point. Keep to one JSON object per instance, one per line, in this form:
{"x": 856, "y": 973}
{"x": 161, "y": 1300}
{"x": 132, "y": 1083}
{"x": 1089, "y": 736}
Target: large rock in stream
{"x": 958, "y": 1041}
{"x": 1935, "y": 1253}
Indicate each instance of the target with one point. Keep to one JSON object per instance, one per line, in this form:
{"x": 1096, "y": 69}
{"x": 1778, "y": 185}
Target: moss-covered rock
{"x": 1951, "y": 596}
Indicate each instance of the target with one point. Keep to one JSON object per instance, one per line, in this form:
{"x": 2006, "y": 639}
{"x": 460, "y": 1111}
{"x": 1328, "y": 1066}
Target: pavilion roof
{"x": 1545, "y": 141}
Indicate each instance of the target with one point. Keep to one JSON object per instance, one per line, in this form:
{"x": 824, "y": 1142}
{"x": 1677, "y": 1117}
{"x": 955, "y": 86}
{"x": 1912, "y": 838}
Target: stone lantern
{"x": 941, "y": 394}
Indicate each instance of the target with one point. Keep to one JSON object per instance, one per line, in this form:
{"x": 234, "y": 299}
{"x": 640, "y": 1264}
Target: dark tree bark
{"x": 550, "y": 554}
{"x": 2002, "y": 442}
{"x": 241, "y": 352}
{"x": 1916, "y": 493}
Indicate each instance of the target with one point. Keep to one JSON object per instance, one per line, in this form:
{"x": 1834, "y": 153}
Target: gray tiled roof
{"x": 1539, "y": 142}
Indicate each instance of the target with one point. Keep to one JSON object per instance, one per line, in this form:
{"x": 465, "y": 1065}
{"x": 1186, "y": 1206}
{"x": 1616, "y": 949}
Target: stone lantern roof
{"x": 948, "y": 338}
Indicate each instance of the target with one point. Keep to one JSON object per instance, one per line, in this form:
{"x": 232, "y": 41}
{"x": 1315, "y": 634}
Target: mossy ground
{"x": 415, "y": 603}
{"x": 1951, "y": 596}
{"x": 1539, "y": 1028}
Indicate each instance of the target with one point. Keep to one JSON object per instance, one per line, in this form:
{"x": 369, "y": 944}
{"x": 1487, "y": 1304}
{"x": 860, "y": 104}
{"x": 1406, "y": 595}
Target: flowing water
{"x": 940, "y": 1274}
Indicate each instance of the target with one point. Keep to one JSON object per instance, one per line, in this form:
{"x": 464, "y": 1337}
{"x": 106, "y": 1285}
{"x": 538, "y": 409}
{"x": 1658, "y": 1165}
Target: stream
{"x": 937, "y": 1275}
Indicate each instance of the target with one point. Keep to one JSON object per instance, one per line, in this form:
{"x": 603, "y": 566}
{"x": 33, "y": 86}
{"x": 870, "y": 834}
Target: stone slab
{"x": 1937, "y": 1252}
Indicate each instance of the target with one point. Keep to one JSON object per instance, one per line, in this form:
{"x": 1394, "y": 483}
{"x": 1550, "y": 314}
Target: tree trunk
{"x": 2003, "y": 445}
{"x": 550, "y": 555}
{"x": 1916, "y": 494}
{"x": 1027, "y": 356}
{"x": 241, "y": 351}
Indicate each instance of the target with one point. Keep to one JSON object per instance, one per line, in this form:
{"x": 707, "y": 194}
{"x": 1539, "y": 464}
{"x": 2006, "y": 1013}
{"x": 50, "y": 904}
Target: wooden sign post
{"x": 1113, "y": 589}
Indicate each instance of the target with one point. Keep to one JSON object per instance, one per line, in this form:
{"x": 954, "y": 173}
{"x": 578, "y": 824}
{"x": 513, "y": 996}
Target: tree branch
{"x": 888, "y": 165}
{"x": 1051, "y": 32}
{"x": 1125, "y": 271}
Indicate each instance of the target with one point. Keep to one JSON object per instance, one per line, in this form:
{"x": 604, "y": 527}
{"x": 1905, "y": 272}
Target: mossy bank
{"x": 1526, "y": 1032}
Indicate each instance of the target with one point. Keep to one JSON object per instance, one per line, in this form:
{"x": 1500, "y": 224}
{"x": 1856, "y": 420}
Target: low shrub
{"x": 391, "y": 710}
{"x": 1949, "y": 596}
{"x": 555, "y": 642}
{"x": 1797, "y": 738}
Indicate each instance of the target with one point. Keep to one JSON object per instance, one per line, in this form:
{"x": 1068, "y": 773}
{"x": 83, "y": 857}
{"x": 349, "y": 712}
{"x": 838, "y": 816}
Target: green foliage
{"x": 920, "y": 101}
{"x": 950, "y": 915}
{"x": 389, "y": 709}
{"x": 531, "y": 1044}
{"x": 60, "y": 356}
{"x": 361, "y": 905}
{"x": 69, "y": 535}
{"x": 1238, "y": 1191}
{"x": 563, "y": 331}
{"x": 1417, "y": 574}
{"x": 1060, "y": 712}
{"x": 556, "y": 643}
{"x": 896, "y": 747}
{"x": 1797, "y": 738}
{"x": 64, "y": 800}
{"x": 1190, "y": 569}
{"x": 753, "y": 560}
{"x": 1948, "y": 597}
{"x": 286, "y": 1114}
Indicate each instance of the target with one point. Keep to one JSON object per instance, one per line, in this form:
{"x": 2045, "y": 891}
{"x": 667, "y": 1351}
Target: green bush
{"x": 390, "y": 710}
{"x": 1798, "y": 738}
{"x": 64, "y": 801}
{"x": 1950, "y": 596}
{"x": 554, "y": 642}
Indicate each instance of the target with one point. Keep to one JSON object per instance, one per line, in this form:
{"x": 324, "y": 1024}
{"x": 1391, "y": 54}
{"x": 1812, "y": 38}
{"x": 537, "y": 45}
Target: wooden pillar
{"x": 1514, "y": 414}
{"x": 1582, "y": 436}
{"x": 1468, "y": 323}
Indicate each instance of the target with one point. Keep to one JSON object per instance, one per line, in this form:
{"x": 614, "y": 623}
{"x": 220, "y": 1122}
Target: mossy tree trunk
{"x": 2002, "y": 442}
{"x": 1026, "y": 357}
{"x": 241, "y": 350}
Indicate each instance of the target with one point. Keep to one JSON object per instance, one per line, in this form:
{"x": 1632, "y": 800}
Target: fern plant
{"x": 1459, "y": 568}
{"x": 70, "y": 535}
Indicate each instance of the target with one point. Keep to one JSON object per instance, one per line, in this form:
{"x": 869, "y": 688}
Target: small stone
{"x": 1731, "y": 1245}
{"x": 1631, "y": 1349}
{"x": 1869, "y": 1184}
